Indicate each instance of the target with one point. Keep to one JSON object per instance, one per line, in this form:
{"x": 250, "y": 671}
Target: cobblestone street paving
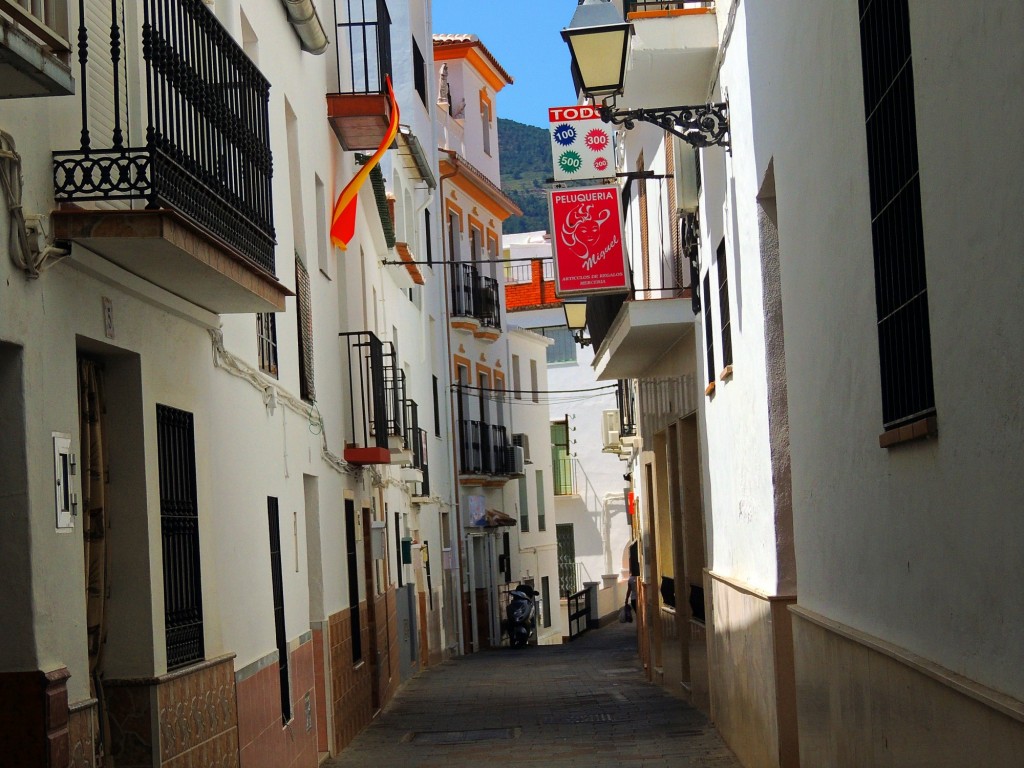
{"x": 575, "y": 705}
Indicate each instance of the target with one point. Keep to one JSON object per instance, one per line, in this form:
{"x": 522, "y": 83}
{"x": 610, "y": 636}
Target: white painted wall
{"x": 915, "y": 544}
{"x": 245, "y": 453}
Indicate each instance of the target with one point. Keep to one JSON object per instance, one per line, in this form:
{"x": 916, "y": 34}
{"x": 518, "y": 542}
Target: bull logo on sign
{"x": 581, "y": 230}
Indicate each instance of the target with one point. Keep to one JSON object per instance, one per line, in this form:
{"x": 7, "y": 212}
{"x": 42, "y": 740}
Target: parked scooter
{"x": 522, "y": 615}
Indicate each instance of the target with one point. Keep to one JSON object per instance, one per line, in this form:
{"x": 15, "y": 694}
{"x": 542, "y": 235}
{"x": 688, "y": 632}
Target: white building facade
{"x": 843, "y": 462}
{"x": 193, "y": 516}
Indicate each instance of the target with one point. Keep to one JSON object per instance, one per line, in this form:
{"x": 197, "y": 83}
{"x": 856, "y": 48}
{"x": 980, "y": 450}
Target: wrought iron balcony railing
{"x": 633, "y": 6}
{"x": 485, "y": 449}
{"x": 421, "y": 457}
{"x": 364, "y": 50}
{"x": 475, "y": 295}
{"x": 207, "y": 133}
{"x": 412, "y": 431}
{"x": 394, "y": 393}
{"x": 489, "y": 306}
{"x": 464, "y": 290}
{"x": 367, "y": 390}
{"x": 501, "y": 460}
{"x": 471, "y": 453}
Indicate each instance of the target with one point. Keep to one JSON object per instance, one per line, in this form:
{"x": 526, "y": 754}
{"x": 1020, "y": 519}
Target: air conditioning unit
{"x": 522, "y": 440}
{"x": 610, "y": 431}
{"x": 514, "y": 457}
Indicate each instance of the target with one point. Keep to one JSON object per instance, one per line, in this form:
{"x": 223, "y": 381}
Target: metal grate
{"x": 723, "y": 305}
{"x": 901, "y": 290}
{"x": 179, "y": 527}
{"x": 277, "y": 583}
{"x": 709, "y": 336}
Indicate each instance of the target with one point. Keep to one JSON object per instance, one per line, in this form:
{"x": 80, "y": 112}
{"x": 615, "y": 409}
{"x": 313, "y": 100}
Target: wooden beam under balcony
{"x": 166, "y": 249}
{"x": 359, "y": 120}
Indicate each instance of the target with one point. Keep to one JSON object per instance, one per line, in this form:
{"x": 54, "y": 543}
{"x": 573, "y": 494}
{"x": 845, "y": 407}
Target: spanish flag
{"x": 343, "y": 220}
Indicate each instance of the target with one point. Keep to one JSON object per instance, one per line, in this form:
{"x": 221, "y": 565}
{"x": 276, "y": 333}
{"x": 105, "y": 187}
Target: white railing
{"x": 45, "y": 19}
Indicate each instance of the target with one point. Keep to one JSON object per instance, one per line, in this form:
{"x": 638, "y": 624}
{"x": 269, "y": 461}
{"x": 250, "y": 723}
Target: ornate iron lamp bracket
{"x": 701, "y": 125}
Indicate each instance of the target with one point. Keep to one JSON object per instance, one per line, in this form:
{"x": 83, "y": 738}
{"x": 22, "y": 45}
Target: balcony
{"x": 417, "y": 473}
{"x": 173, "y": 182}
{"x": 486, "y": 456}
{"x": 475, "y": 302}
{"x": 672, "y": 55}
{"x": 35, "y": 53}
{"x": 360, "y": 112}
{"x": 631, "y": 336}
{"x": 376, "y": 400}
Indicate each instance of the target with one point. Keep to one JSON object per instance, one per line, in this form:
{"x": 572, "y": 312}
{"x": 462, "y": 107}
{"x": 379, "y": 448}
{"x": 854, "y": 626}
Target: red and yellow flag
{"x": 343, "y": 220}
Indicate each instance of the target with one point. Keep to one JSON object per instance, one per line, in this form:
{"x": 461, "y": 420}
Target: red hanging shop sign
{"x": 586, "y": 231}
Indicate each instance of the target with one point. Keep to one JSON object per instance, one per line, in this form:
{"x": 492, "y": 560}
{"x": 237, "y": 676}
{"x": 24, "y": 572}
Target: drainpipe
{"x": 306, "y": 23}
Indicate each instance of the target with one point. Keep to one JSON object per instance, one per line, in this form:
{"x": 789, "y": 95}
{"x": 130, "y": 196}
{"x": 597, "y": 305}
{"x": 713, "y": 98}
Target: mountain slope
{"x": 525, "y": 169}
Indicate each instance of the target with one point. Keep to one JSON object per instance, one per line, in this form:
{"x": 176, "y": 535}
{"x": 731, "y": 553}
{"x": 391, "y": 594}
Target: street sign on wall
{"x": 581, "y": 144}
{"x": 586, "y": 230}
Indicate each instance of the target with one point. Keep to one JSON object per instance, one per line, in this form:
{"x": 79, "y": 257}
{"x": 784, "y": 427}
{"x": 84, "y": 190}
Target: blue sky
{"x": 523, "y": 36}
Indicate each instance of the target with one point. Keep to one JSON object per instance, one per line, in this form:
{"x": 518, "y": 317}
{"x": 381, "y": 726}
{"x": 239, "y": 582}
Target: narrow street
{"x": 574, "y": 705}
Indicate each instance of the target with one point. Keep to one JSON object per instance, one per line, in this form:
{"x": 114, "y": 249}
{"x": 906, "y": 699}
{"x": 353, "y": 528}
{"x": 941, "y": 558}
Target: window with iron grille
{"x": 305, "y": 310}
{"x": 179, "y": 529}
{"x": 709, "y": 336}
{"x": 277, "y": 583}
{"x": 723, "y": 305}
{"x": 901, "y": 290}
{"x": 419, "y": 72}
{"x": 266, "y": 338}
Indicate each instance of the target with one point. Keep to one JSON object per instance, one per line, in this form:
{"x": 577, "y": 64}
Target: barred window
{"x": 302, "y": 298}
{"x": 901, "y": 289}
{"x": 709, "y": 336}
{"x": 723, "y": 305}
{"x": 179, "y": 526}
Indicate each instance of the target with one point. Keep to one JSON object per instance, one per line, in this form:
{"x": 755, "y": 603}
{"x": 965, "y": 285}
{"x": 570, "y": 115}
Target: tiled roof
{"x": 441, "y": 41}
